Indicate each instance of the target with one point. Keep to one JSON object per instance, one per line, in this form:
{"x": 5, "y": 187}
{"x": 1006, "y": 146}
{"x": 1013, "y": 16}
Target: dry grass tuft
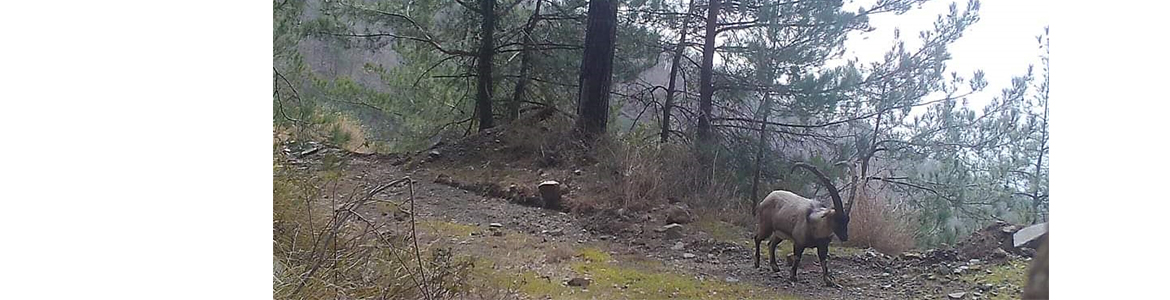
{"x": 873, "y": 222}
{"x": 641, "y": 176}
{"x": 328, "y": 249}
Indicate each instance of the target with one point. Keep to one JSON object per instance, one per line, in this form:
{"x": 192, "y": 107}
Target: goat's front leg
{"x": 823, "y": 255}
{"x": 798, "y": 251}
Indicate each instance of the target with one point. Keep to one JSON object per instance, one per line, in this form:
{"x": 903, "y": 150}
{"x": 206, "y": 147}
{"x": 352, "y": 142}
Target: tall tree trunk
{"x": 759, "y": 162}
{"x": 596, "y": 69}
{"x": 1036, "y": 197}
{"x": 679, "y": 50}
{"x": 706, "y": 88}
{"x": 483, "y": 97}
{"x": 865, "y": 156}
{"x": 513, "y": 109}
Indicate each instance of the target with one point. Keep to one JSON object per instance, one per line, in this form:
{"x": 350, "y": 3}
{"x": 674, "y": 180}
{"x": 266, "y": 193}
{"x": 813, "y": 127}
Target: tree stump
{"x": 550, "y": 192}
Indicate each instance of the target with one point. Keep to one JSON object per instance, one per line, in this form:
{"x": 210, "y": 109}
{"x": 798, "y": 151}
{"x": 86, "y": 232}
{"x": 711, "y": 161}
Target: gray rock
{"x": 497, "y": 233}
{"x": 941, "y": 269}
{"x": 1029, "y": 234}
{"x": 673, "y": 231}
{"x": 688, "y": 255}
{"x": 731, "y": 279}
{"x": 554, "y": 232}
{"x": 581, "y": 282}
{"x": 677, "y": 246}
{"x": 495, "y": 225}
{"x": 678, "y": 213}
{"x": 577, "y": 172}
{"x": 999, "y": 253}
{"x": 958, "y": 295}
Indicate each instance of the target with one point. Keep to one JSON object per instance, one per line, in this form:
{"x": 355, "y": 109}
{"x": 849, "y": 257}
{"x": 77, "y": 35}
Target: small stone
{"x": 577, "y": 172}
{"x": 673, "y": 231}
{"x": 495, "y": 225}
{"x": 973, "y": 261}
{"x": 986, "y": 286}
{"x": 885, "y": 274}
{"x": 677, "y": 246}
{"x": 999, "y": 253}
{"x": 888, "y": 286}
{"x": 604, "y": 237}
{"x": 941, "y": 269}
{"x": 710, "y": 256}
{"x": 581, "y": 282}
{"x": 731, "y": 279}
{"x": 976, "y": 268}
{"x": 554, "y": 232}
{"x": 688, "y": 255}
{"x": 958, "y": 295}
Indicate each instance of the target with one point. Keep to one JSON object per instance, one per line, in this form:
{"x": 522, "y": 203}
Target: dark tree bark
{"x": 596, "y": 68}
{"x": 513, "y": 109}
{"x": 674, "y": 67}
{"x": 865, "y": 155}
{"x": 483, "y": 97}
{"x": 759, "y": 163}
{"x": 706, "y": 88}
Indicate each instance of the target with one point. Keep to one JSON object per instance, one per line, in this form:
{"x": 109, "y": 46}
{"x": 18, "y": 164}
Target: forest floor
{"x": 538, "y": 251}
{"x": 462, "y": 189}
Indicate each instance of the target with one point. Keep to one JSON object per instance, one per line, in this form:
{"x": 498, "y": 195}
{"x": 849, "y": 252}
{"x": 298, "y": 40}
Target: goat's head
{"x": 838, "y": 215}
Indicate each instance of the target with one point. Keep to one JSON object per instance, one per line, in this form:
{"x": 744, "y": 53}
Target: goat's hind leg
{"x": 758, "y": 239}
{"x": 775, "y": 241}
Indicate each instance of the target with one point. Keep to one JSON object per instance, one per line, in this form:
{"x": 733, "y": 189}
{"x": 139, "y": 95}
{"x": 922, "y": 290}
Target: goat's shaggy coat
{"x": 807, "y": 223}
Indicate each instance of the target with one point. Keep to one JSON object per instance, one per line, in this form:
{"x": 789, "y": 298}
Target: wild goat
{"x": 785, "y": 215}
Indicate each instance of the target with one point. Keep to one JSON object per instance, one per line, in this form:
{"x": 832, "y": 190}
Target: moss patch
{"x": 446, "y": 228}
{"x": 610, "y": 280}
{"x": 526, "y": 282}
{"x": 1012, "y": 274}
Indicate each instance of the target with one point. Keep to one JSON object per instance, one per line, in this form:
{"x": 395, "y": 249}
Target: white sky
{"x": 1002, "y": 43}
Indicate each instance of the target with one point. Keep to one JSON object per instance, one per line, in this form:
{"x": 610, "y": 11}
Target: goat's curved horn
{"x": 828, "y": 184}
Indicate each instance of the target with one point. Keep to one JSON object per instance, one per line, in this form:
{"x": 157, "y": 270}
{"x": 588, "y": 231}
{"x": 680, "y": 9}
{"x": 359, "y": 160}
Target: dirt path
{"x": 538, "y": 250}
